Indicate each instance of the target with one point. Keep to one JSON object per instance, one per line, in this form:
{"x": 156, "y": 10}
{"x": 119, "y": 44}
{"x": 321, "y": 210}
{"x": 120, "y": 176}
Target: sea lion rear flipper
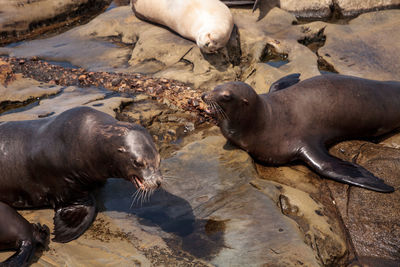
{"x": 22, "y": 257}
{"x": 73, "y": 220}
{"x": 284, "y": 82}
{"x": 331, "y": 167}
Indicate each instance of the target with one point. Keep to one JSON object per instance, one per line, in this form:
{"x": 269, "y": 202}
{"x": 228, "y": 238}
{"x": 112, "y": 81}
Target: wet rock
{"x": 69, "y": 98}
{"x": 275, "y": 34}
{"x": 370, "y": 217}
{"x": 113, "y": 239}
{"x": 20, "y": 92}
{"x": 365, "y": 47}
{"x": 303, "y": 197}
{"x": 327, "y": 9}
{"x": 209, "y": 210}
{"x": 314, "y": 9}
{"x": 351, "y": 8}
{"x": 29, "y": 18}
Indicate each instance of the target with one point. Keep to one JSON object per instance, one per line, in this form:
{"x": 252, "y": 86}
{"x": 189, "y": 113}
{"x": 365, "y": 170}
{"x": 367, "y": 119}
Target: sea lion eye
{"x": 226, "y": 96}
{"x": 138, "y": 164}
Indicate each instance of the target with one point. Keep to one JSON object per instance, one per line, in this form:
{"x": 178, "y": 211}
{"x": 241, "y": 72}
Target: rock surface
{"x": 351, "y": 8}
{"x": 333, "y": 9}
{"x": 214, "y": 198}
{"x": 30, "y": 18}
{"x": 266, "y": 49}
{"x": 365, "y": 47}
{"x": 371, "y": 218}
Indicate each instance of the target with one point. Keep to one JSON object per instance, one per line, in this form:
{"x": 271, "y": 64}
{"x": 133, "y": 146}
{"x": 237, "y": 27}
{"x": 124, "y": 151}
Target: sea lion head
{"x": 137, "y": 158}
{"x": 230, "y": 101}
{"x": 210, "y": 41}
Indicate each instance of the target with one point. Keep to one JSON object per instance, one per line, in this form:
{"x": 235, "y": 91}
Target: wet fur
{"x": 298, "y": 120}
{"x": 58, "y": 161}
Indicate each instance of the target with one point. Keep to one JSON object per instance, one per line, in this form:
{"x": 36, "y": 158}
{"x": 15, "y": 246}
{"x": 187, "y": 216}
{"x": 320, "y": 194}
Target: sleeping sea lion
{"x": 207, "y": 22}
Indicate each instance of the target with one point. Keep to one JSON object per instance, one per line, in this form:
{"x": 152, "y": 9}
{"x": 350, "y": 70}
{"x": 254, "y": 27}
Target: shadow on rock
{"x": 172, "y": 214}
{"x": 266, "y": 6}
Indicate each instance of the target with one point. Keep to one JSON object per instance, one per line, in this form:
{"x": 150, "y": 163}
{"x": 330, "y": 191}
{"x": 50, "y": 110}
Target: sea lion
{"x": 207, "y": 22}
{"x": 16, "y": 233}
{"x": 298, "y": 120}
{"x": 58, "y": 161}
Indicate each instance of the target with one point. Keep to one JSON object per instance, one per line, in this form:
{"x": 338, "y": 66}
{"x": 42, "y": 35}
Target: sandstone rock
{"x": 370, "y": 217}
{"x": 351, "y": 8}
{"x": 327, "y": 9}
{"x": 21, "y": 17}
{"x": 314, "y": 9}
{"x": 213, "y": 213}
{"x": 303, "y": 197}
{"x": 365, "y": 47}
{"x": 274, "y": 34}
{"x": 69, "y": 98}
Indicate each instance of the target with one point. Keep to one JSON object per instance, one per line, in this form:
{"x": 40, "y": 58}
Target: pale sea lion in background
{"x": 57, "y": 162}
{"x": 207, "y": 22}
{"x": 298, "y": 120}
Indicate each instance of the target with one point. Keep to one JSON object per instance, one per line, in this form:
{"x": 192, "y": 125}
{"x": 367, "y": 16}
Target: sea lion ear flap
{"x": 245, "y": 101}
{"x": 122, "y": 149}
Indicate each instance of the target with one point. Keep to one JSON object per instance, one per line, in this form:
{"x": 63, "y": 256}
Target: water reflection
{"x": 117, "y": 3}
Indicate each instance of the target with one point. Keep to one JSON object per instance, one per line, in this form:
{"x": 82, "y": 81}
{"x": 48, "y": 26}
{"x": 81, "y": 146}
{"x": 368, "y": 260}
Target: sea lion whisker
{"x": 135, "y": 197}
{"x": 221, "y": 111}
{"x": 218, "y": 109}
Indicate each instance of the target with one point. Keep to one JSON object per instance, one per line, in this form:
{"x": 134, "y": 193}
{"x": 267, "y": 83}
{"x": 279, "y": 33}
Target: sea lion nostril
{"x": 158, "y": 183}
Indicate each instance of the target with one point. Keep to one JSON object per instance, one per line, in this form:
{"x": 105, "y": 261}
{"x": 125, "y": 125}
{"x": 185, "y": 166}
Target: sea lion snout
{"x": 204, "y": 97}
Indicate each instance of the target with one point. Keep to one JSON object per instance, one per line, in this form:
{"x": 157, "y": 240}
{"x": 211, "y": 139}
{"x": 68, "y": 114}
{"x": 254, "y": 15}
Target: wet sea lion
{"x": 297, "y": 120}
{"x": 207, "y": 22}
{"x": 58, "y": 161}
{"x": 18, "y": 234}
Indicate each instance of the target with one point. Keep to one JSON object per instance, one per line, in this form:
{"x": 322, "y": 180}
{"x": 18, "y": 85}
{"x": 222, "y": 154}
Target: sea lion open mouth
{"x": 138, "y": 182}
{"x": 214, "y": 109}
{"x": 210, "y": 110}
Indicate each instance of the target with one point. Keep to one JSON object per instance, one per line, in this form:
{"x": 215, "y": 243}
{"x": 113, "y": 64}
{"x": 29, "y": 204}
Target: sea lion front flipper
{"x": 284, "y": 82}
{"x": 346, "y": 172}
{"x": 255, "y": 5}
{"x": 73, "y": 220}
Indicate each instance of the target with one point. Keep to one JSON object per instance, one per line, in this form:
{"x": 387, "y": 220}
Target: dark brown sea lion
{"x": 18, "y": 234}
{"x": 58, "y": 161}
{"x": 296, "y": 121}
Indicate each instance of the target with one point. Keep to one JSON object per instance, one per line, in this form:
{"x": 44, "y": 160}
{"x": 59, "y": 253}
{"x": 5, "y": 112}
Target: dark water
{"x": 277, "y": 63}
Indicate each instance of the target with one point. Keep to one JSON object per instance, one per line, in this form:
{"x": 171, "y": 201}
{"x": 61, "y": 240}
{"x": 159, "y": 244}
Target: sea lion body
{"x": 16, "y": 233}
{"x": 299, "y": 121}
{"x": 207, "y": 22}
{"x": 59, "y": 161}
